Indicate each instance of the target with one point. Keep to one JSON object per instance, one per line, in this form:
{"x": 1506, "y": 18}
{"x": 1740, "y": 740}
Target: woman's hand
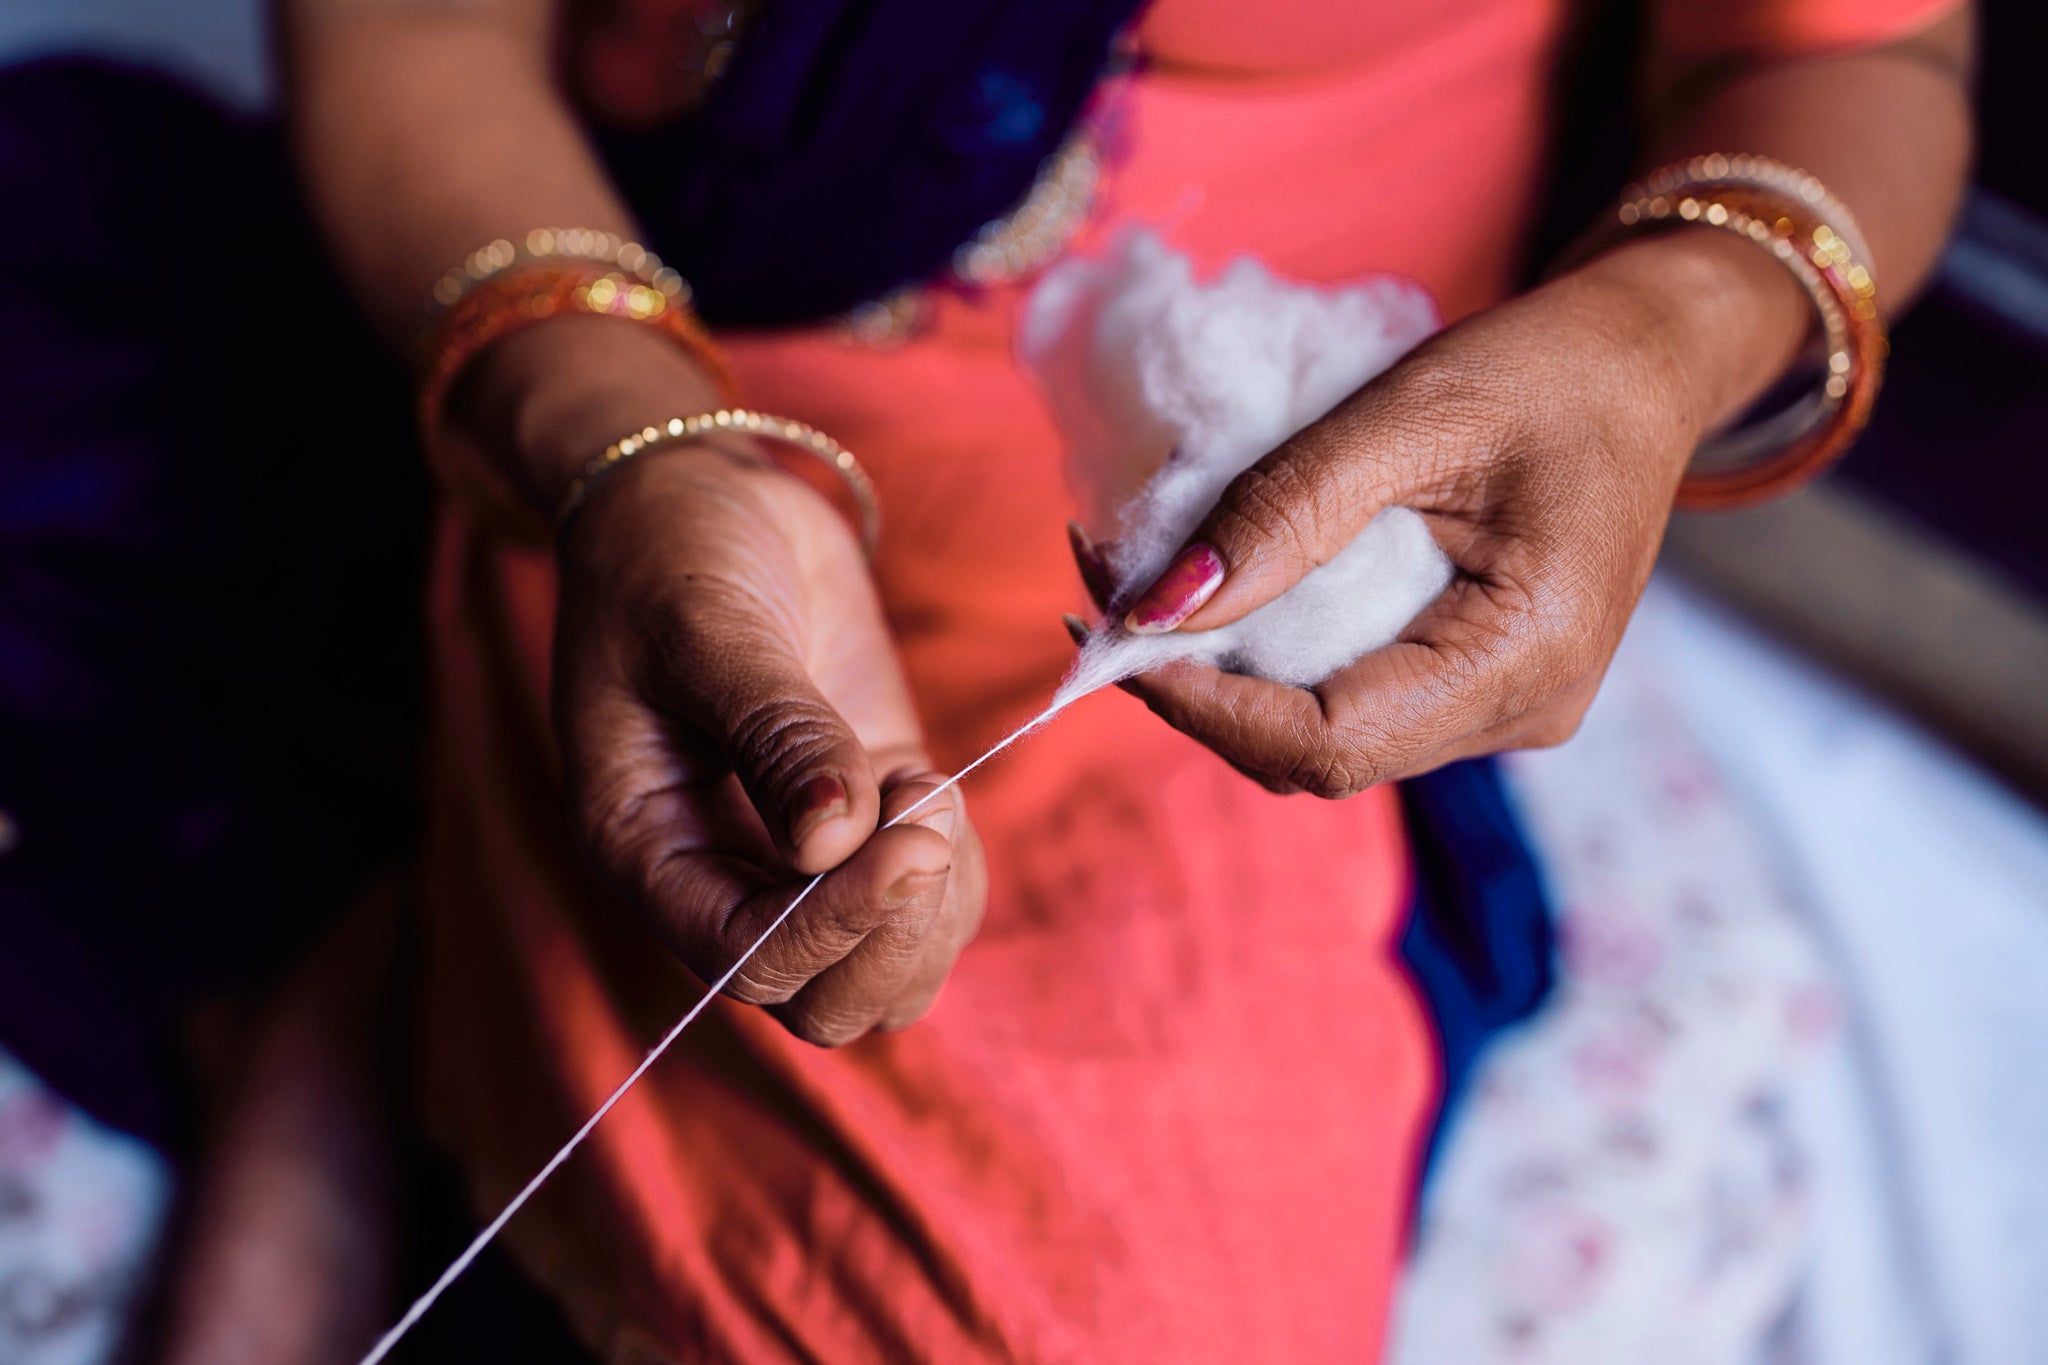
{"x": 733, "y": 720}
{"x": 1544, "y": 441}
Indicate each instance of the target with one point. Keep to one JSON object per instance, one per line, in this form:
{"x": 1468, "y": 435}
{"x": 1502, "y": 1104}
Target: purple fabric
{"x": 853, "y": 144}
{"x": 209, "y": 520}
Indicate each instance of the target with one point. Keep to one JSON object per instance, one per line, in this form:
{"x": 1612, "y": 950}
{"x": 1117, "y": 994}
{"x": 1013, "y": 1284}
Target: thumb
{"x": 1286, "y": 515}
{"x": 805, "y": 771}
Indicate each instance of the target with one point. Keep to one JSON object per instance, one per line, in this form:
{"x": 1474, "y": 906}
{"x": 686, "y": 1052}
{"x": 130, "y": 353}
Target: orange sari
{"x": 1170, "y": 1106}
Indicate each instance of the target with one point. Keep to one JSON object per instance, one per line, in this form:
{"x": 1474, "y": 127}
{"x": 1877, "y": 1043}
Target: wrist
{"x": 545, "y": 400}
{"x": 1725, "y": 317}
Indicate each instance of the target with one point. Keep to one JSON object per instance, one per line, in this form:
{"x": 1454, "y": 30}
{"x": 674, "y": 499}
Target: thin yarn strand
{"x": 1334, "y": 342}
{"x": 461, "y": 1263}
{"x": 483, "y": 1239}
{"x": 1026, "y": 728}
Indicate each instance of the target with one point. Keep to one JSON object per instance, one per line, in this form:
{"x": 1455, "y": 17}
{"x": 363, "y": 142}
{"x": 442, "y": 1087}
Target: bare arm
{"x": 1886, "y": 129}
{"x": 1545, "y": 438}
{"x": 426, "y": 128}
{"x": 715, "y": 618}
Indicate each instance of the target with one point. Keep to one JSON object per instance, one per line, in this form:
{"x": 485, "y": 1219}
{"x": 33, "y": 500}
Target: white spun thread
{"x": 483, "y": 1239}
{"x": 390, "y": 1339}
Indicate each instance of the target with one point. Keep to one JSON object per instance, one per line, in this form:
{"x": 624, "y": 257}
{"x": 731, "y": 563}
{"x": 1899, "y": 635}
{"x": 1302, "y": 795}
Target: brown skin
{"x": 714, "y": 622}
{"x": 705, "y": 679}
{"x": 1544, "y": 439}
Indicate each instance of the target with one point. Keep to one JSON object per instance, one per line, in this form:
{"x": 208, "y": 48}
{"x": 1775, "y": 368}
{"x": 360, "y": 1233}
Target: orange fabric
{"x": 1169, "y": 1107}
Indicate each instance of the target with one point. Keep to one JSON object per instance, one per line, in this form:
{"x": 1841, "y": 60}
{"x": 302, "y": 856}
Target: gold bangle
{"x": 798, "y": 434}
{"x": 559, "y": 244}
{"x": 500, "y": 289}
{"x": 510, "y": 301}
{"x": 1741, "y": 170}
{"x": 1790, "y": 214}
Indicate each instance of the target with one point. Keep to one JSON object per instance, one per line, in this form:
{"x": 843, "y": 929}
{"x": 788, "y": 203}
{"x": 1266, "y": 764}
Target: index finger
{"x": 1300, "y": 505}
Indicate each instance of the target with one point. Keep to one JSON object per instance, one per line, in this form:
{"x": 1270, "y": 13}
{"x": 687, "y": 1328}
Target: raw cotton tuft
{"x": 1142, "y": 362}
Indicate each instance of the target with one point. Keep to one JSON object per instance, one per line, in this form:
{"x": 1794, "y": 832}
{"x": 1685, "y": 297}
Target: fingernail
{"x": 815, "y": 802}
{"x": 909, "y": 886}
{"x": 1179, "y": 593}
{"x": 941, "y": 815}
{"x": 1076, "y": 627}
{"x": 1094, "y": 574}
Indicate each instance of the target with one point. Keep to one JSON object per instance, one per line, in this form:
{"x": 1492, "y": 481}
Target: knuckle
{"x": 905, "y": 1014}
{"x": 1339, "y": 786}
{"x": 1279, "y": 786}
{"x": 1330, "y": 774}
{"x": 1273, "y": 502}
{"x": 760, "y": 987}
{"x": 826, "y": 1028}
{"x": 783, "y": 736}
{"x": 814, "y": 943}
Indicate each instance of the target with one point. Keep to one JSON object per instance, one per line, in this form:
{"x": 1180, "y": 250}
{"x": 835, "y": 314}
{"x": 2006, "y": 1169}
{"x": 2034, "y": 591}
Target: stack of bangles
{"x": 503, "y": 288}
{"x": 1791, "y": 215}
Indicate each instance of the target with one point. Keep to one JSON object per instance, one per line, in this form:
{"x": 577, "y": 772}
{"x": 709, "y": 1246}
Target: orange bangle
{"x": 1792, "y": 215}
{"x": 516, "y": 298}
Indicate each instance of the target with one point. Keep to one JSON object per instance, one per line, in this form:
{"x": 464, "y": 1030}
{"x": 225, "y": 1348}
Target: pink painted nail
{"x": 1179, "y": 593}
{"x": 815, "y": 802}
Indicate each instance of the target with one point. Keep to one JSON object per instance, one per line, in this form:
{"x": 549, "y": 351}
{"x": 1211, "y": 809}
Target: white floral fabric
{"x": 1625, "y": 1184}
{"x": 81, "y": 1208}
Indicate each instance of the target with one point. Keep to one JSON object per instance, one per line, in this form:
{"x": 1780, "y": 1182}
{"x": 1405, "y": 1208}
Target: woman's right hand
{"x": 733, "y": 720}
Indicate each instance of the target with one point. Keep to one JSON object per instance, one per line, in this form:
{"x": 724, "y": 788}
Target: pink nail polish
{"x": 1179, "y": 593}
{"x": 815, "y": 802}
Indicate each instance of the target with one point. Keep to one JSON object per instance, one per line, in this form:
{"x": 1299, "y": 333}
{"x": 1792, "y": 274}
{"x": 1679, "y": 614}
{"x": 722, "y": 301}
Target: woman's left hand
{"x": 1544, "y": 441}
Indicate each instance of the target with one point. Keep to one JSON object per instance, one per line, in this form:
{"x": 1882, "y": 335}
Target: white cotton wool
{"x": 1147, "y": 368}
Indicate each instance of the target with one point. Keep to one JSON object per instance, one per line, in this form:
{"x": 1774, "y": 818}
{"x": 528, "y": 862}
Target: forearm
{"x": 1886, "y": 130}
{"x": 426, "y": 128}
